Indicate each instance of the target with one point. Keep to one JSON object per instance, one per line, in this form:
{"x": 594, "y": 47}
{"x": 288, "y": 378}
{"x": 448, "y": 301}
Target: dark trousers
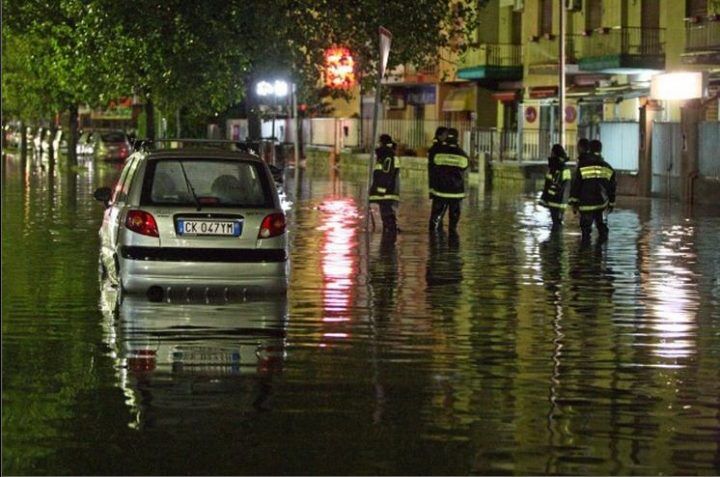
{"x": 439, "y": 206}
{"x": 557, "y": 217}
{"x": 587, "y": 219}
{"x": 387, "y": 214}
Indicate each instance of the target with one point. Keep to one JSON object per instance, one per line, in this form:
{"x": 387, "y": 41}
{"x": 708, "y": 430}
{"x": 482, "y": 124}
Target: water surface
{"x": 505, "y": 350}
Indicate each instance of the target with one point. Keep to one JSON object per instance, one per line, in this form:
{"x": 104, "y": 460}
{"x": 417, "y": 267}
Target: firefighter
{"x": 440, "y": 137}
{"x": 447, "y": 164}
{"x": 385, "y": 187}
{"x": 593, "y": 191}
{"x": 553, "y": 195}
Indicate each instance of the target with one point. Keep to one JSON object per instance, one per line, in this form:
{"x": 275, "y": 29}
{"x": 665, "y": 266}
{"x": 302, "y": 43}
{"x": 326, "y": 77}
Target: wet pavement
{"x": 505, "y": 350}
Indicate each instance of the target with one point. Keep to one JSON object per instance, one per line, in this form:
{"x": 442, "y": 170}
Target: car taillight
{"x": 142, "y": 222}
{"x": 272, "y": 226}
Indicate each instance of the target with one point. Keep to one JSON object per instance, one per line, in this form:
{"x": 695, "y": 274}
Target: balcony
{"x": 490, "y": 62}
{"x": 702, "y": 40}
{"x": 622, "y": 50}
{"x": 543, "y": 55}
{"x": 410, "y": 75}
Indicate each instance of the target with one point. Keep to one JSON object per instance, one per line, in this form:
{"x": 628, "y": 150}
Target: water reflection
{"x": 504, "y": 350}
{"x": 179, "y": 363}
{"x": 339, "y": 264}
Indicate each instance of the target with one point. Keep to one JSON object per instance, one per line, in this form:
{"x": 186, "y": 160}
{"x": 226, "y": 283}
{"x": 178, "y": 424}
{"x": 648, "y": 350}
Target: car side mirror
{"x": 103, "y": 194}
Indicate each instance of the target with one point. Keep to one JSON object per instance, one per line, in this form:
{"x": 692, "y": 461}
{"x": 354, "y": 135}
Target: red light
{"x": 272, "y": 226}
{"x": 142, "y": 222}
{"x": 339, "y": 68}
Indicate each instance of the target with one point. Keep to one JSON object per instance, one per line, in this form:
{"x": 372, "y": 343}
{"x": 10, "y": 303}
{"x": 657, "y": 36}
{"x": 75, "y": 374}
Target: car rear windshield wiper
{"x": 189, "y": 186}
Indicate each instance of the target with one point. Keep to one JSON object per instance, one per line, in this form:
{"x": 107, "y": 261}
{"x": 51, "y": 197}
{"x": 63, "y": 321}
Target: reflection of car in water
{"x": 178, "y": 363}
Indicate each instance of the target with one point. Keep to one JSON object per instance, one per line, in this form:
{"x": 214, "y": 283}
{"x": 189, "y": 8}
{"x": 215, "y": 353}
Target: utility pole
{"x": 561, "y": 87}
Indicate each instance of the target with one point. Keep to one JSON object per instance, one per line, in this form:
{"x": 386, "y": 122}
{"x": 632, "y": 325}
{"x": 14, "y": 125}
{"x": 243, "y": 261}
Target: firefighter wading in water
{"x": 553, "y": 195}
{"x": 593, "y": 191}
{"x": 385, "y": 187}
{"x": 446, "y": 166}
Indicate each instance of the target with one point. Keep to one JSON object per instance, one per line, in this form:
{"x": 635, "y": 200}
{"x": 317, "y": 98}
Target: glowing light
{"x": 339, "y": 68}
{"x": 281, "y": 88}
{"x": 264, "y": 88}
{"x": 680, "y": 85}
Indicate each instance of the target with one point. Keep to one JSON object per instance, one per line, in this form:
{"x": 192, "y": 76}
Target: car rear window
{"x": 215, "y": 183}
{"x": 113, "y": 137}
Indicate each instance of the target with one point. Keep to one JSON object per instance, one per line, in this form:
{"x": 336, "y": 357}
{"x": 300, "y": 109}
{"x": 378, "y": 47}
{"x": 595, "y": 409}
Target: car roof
{"x": 202, "y": 153}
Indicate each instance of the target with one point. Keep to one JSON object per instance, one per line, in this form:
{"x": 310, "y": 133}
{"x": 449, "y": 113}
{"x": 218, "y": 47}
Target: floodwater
{"x": 502, "y": 351}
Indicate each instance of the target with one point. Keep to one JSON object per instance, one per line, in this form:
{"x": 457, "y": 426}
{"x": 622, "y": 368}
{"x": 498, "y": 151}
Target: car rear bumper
{"x": 217, "y": 277}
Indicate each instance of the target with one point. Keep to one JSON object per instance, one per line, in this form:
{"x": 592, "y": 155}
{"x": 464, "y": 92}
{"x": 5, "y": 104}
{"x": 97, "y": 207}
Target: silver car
{"x": 193, "y": 221}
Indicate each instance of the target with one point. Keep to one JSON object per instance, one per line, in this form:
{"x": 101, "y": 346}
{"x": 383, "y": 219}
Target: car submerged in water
{"x": 196, "y": 220}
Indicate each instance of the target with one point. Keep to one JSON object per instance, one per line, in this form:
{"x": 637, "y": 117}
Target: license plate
{"x": 231, "y": 228}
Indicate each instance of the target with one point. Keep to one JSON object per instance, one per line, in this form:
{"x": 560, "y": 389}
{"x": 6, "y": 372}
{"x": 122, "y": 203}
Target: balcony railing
{"x": 544, "y": 51}
{"x": 702, "y": 36}
{"x": 634, "y": 41}
{"x": 492, "y": 54}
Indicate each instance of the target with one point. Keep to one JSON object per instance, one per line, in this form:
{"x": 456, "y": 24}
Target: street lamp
{"x": 277, "y": 89}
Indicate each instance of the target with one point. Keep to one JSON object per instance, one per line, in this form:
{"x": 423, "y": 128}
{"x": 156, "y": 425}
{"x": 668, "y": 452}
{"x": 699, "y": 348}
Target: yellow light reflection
{"x": 673, "y": 306}
{"x": 339, "y": 261}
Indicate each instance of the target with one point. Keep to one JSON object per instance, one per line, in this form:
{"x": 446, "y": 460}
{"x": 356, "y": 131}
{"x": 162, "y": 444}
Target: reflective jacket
{"x": 594, "y": 184}
{"x": 447, "y": 165}
{"x": 386, "y": 176}
{"x": 431, "y": 152}
{"x": 556, "y": 179}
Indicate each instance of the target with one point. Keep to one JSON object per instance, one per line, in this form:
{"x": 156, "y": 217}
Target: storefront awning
{"x": 462, "y": 99}
{"x": 543, "y": 92}
{"x": 505, "y": 96}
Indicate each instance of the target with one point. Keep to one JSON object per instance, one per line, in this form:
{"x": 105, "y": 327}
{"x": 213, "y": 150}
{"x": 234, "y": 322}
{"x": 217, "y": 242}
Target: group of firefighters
{"x": 592, "y": 189}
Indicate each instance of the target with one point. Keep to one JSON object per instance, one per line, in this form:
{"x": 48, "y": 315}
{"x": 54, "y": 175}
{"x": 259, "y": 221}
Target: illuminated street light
{"x": 281, "y": 88}
{"x": 277, "y": 89}
{"x": 677, "y": 86}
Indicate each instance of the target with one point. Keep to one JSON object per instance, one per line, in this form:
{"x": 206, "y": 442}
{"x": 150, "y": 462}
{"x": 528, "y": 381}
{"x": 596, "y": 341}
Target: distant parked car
{"x": 195, "y": 217}
{"x": 84, "y": 145}
{"x": 110, "y": 145}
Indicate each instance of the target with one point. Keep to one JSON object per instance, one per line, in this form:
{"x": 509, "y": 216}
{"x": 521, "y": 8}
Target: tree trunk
{"x": 73, "y": 136}
{"x": 150, "y": 119}
{"x": 251, "y": 109}
{"x": 23, "y": 140}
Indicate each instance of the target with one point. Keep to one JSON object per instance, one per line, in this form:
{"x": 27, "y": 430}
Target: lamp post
{"x": 277, "y": 89}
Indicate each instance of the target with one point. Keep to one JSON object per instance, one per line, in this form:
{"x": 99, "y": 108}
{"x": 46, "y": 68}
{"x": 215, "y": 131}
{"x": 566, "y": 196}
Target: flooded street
{"x": 506, "y": 350}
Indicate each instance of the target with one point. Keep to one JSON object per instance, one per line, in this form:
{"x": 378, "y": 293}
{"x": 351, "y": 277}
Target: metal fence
{"x": 702, "y": 36}
{"x": 623, "y": 40}
{"x": 708, "y": 157}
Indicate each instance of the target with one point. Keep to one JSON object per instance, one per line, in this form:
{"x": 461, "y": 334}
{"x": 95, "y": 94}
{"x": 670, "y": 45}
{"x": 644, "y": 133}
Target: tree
{"x": 203, "y": 56}
{"x": 60, "y": 59}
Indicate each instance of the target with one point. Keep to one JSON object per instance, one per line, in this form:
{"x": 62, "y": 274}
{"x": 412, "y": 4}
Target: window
{"x": 545, "y": 17}
{"x": 696, "y": 8}
{"x": 593, "y": 14}
{"x": 215, "y": 183}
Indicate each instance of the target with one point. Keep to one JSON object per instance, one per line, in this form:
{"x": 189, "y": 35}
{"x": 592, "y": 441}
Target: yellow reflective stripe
{"x": 555, "y": 205}
{"x": 588, "y": 208}
{"x": 384, "y": 197}
{"x": 381, "y": 189}
{"x": 452, "y": 160}
{"x": 566, "y": 174}
{"x": 387, "y": 164}
{"x": 449, "y": 195}
{"x": 595, "y": 172}
{"x": 548, "y": 176}
{"x": 573, "y": 200}
{"x": 378, "y": 166}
